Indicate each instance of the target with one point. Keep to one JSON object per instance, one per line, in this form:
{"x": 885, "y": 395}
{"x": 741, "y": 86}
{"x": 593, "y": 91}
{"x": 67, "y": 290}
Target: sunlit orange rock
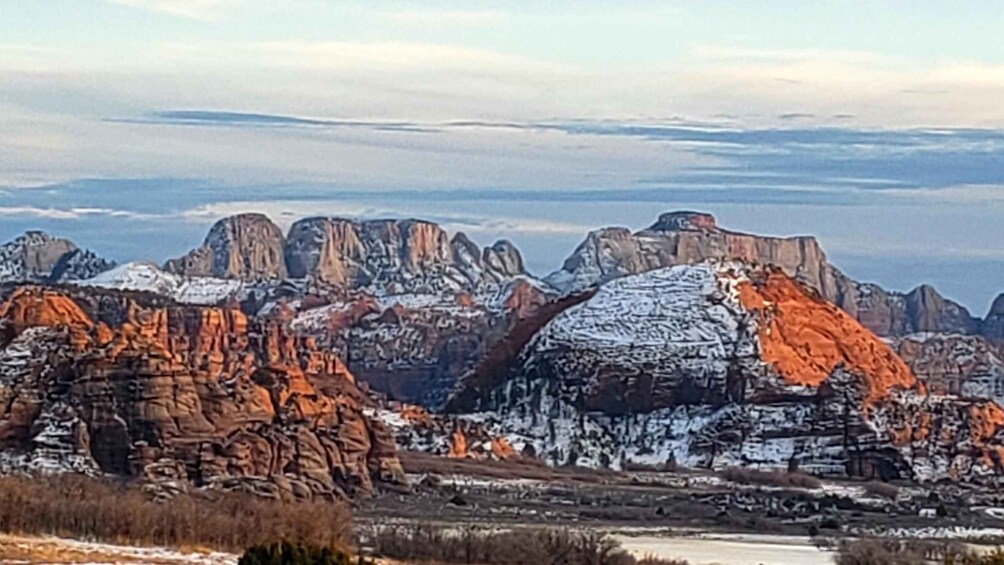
{"x": 806, "y": 338}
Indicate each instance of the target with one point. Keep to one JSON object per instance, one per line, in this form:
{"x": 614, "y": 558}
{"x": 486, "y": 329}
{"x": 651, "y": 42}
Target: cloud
{"x": 248, "y": 119}
{"x": 285, "y": 212}
{"x": 191, "y": 9}
{"x": 745, "y": 54}
{"x": 399, "y": 55}
{"x": 67, "y": 213}
{"x": 445, "y": 18}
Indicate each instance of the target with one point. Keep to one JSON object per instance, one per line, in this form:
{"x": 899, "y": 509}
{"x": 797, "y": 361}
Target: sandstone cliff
{"x": 728, "y": 364}
{"x": 246, "y": 246}
{"x": 180, "y": 396}
{"x": 678, "y": 238}
{"x": 394, "y": 256}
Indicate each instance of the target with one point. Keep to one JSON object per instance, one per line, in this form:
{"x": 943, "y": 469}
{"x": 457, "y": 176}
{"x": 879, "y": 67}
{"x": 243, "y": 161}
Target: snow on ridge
{"x": 694, "y": 304}
{"x": 147, "y": 277}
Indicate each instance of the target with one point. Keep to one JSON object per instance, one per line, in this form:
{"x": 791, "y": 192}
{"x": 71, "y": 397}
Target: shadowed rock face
{"x": 38, "y": 257}
{"x": 177, "y": 396}
{"x": 719, "y": 364}
{"x": 993, "y": 326}
{"x": 246, "y": 246}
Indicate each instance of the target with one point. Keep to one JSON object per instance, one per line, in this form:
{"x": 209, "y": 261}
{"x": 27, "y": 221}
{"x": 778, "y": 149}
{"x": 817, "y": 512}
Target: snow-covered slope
{"x": 720, "y": 364}
{"x": 146, "y": 277}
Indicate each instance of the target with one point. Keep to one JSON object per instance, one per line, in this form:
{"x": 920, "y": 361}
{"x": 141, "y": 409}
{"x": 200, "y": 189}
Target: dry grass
{"x": 80, "y": 507}
{"x": 430, "y": 544}
{"x": 895, "y": 552}
{"x": 58, "y": 551}
{"x": 744, "y": 476}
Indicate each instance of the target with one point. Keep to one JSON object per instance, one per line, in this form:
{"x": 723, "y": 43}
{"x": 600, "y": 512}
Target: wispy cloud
{"x": 442, "y": 18}
{"x": 285, "y": 212}
{"x": 401, "y": 55}
{"x": 191, "y": 9}
{"x": 67, "y": 213}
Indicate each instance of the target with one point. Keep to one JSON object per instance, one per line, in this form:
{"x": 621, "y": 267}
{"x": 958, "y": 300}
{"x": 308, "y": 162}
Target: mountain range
{"x": 682, "y": 342}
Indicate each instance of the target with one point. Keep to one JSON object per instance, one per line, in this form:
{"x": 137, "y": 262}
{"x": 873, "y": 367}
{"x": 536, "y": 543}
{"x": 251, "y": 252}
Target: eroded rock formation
{"x": 679, "y": 238}
{"x": 40, "y": 258}
{"x": 719, "y": 364}
{"x": 247, "y": 247}
{"x": 394, "y": 256}
{"x": 177, "y": 396}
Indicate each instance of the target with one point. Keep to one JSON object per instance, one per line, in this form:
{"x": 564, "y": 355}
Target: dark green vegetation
{"x": 287, "y": 553}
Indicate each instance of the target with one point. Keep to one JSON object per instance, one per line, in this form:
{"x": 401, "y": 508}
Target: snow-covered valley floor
{"x": 724, "y": 549}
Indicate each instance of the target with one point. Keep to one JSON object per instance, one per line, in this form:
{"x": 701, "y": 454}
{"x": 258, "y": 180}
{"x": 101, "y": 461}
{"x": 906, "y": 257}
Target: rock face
{"x": 180, "y": 396}
{"x": 679, "y": 238}
{"x": 39, "y": 257}
{"x": 394, "y": 256}
{"x": 247, "y": 247}
{"x": 965, "y": 365}
{"x": 720, "y": 364}
{"x": 414, "y": 347}
{"x": 993, "y": 325}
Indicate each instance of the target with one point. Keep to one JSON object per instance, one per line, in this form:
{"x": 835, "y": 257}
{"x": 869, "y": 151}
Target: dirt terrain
{"x": 460, "y": 493}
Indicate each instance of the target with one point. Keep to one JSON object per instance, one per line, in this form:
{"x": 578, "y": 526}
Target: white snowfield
{"x": 147, "y": 277}
{"x": 723, "y": 549}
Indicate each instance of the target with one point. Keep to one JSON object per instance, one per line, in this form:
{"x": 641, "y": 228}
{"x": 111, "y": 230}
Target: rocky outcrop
{"x": 679, "y": 238}
{"x": 415, "y": 347}
{"x": 993, "y": 326}
{"x": 181, "y": 396}
{"x": 415, "y": 429}
{"x": 965, "y": 365}
{"x": 247, "y": 247}
{"x": 394, "y": 256}
{"x": 40, "y": 258}
{"x": 720, "y": 364}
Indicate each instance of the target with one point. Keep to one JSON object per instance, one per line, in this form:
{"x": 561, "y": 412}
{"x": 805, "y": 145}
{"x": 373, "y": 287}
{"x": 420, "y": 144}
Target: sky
{"x": 130, "y": 126}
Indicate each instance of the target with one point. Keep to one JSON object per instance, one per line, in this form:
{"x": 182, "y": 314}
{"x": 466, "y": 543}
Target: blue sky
{"x": 131, "y": 125}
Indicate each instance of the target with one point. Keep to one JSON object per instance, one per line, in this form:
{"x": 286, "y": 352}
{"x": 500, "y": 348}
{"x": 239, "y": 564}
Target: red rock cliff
{"x": 185, "y": 395}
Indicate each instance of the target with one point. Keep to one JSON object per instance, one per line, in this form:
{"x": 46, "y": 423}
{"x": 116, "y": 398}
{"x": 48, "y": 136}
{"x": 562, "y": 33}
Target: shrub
{"x": 873, "y": 552}
{"x": 892, "y": 552}
{"x": 82, "y": 507}
{"x": 286, "y": 553}
{"x": 516, "y": 547}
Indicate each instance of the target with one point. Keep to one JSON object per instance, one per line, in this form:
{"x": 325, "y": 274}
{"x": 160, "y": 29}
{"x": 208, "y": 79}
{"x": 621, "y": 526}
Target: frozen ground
{"x": 51, "y": 550}
{"x": 723, "y": 549}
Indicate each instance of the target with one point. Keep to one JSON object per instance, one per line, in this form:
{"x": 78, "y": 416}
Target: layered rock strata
{"x": 181, "y": 396}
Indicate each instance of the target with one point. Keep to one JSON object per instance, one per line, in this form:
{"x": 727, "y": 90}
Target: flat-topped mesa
{"x": 685, "y": 221}
{"x": 680, "y": 238}
{"x": 245, "y": 246}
